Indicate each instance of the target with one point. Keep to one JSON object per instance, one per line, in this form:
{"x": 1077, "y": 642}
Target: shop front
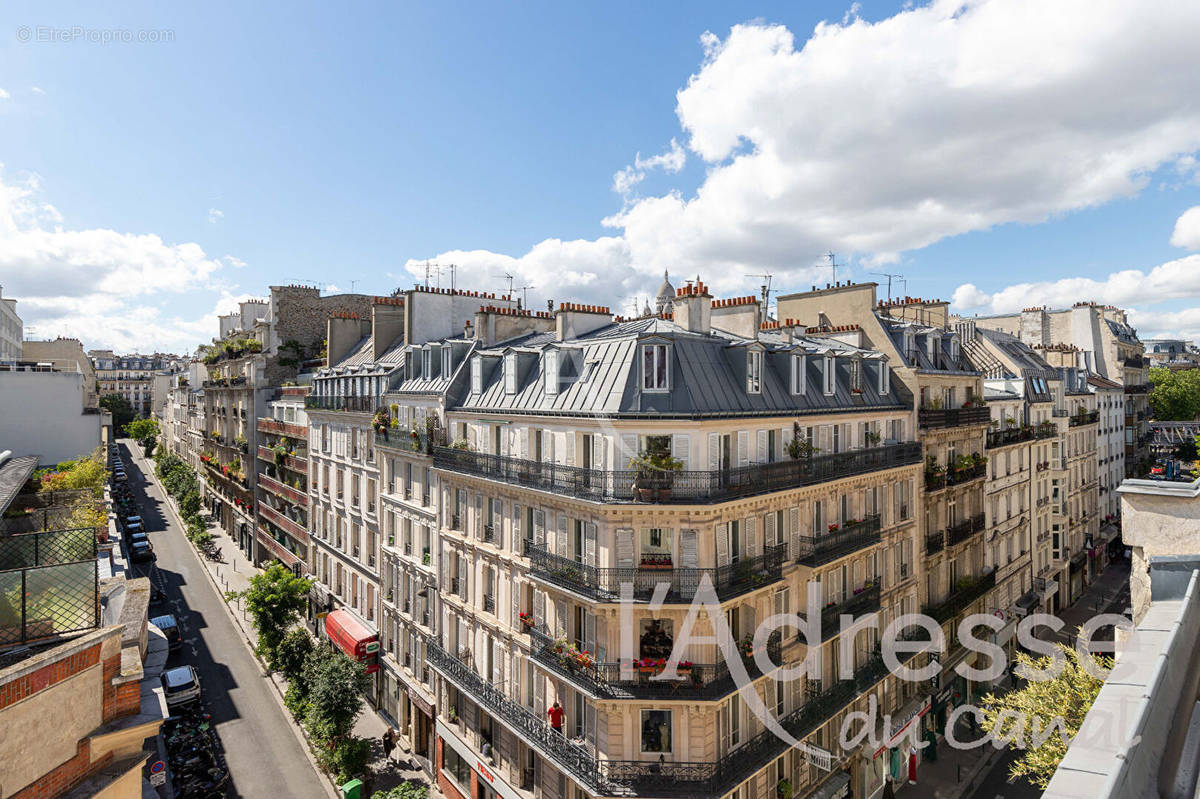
{"x": 897, "y": 758}
{"x": 463, "y": 774}
{"x": 1076, "y": 569}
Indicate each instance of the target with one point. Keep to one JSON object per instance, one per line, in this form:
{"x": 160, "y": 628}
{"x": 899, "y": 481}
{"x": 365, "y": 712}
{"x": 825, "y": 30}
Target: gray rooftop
{"x": 14, "y": 473}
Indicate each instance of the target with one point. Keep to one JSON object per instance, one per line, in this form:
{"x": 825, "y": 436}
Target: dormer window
{"x": 885, "y": 378}
{"x": 798, "y": 376}
{"x": 476, "y": 375}
{"x": 510, "y": 373}
{"x": 754, "y": 360}
{"x": 954, "y": 349}
{"x": 447, "y": 361}
{"x": 856, "y": 375}
{"x": 655, "y": 372}
{"x": 550, "y": 372}
{"x": 932, "y": 343}
{"x": 828, "y": 377}
{"x": 426, "y": 363}
{"x": 910, "y": 346}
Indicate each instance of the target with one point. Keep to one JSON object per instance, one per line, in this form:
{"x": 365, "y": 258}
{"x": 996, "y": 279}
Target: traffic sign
{"x": 157, "y": 766}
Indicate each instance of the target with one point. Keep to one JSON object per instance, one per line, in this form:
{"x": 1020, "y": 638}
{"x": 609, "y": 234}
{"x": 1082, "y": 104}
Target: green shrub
{"x": 347, "y": 759}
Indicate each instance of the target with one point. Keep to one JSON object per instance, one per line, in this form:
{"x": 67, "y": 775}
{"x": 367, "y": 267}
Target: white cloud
{"x": 37, "y": 90}
{"x": 97, "y": 284}
{"x": 1187, "y": 229}
{"x": 4, "y": 95}
{"x": 215, "y": 215}
{"x": 235, "y": 262}
{"x": 873, "y": 139}
{"x": 671, "y": 162}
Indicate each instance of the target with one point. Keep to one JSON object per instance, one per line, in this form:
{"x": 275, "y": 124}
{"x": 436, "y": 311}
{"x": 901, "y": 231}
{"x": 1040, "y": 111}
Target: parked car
{"x": 181, "y": 685}
{"x": 119, "y": 476}
{"x": 141, "y": 551}
{"x": 133, "y": 524}
{"x": 140, "y": 538}
{"x": 170, "y": 628}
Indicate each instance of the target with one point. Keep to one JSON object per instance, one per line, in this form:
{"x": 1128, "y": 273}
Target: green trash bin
{"x": 353, "y": 789}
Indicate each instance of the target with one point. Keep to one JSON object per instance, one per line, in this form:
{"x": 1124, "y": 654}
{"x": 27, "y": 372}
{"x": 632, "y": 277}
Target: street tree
{"x": 1040, "y": 703}
{"x": 275, "y": 600}
{"x": 335, "y": 686}
{"x": 1175, "y": 396}
{"x": 122, "y": 412}
{"x": 144, "y": 432}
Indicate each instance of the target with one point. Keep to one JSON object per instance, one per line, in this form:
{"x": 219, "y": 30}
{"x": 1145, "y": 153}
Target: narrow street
{"x": 264, "y": 756}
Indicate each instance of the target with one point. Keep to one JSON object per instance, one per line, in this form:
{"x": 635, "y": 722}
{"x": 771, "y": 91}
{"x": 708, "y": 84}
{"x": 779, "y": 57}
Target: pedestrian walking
{"x": 389, "y": 743}
{"x": 556, "y": 717}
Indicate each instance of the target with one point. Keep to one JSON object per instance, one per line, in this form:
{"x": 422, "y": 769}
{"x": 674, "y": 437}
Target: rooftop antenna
{"x": 453, "y": 273}
{"x": 508, "y": 276}
{"x": 352, "y": 284}
{"x": 766, "y": 291}
{"x": 889, "y": 276}
{"x": 524, "y": 295}
{"x": 832, "y": 265}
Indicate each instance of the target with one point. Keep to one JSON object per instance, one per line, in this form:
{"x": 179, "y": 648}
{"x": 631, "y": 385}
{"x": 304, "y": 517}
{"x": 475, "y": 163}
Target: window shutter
{"x": 589, "y": 631}
{"x": 824, "y": 438}
{"x": 785, "y": 435}
{"x": 762, "y": 446}
{"x": 679, "y": 449}
{"x": 498, "y": 522}
{"x": 793, "y": 515}
{"x": 628, "y": 451}
{"x": 539, "y": 694}
{"x": 625, "y": 553}
{"x": 689, "y": 556}
{"x": 722, "y": 538}
{"x": 523, "y": 443}
{"x": 601, "y": 650}
{"x": 462, "y": 580}
{"x": 514, "y": 590}
{"x": 497, "y": 663}
{"x": 561, "y": 550}
{"x": 753, "y": 547}
{"x": 714, "y": 451}
{"x": 539, "y": 608}
{"x": 560, "y": 617}
{"x": 589, "y": 725}
{"x": 743, "y": 447}
{"x": 769, "y": 532}
{"x": 570, "y": 448}
{"x": 477, "y": 523}
{"x": 589, "y": 544}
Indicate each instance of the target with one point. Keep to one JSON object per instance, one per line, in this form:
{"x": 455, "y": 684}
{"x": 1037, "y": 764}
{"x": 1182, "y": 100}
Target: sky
{"x": 161, "y": 161}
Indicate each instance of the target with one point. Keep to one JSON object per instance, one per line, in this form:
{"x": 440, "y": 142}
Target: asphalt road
{"x": 265, "y": 758}
{"x": 996, "y": 785}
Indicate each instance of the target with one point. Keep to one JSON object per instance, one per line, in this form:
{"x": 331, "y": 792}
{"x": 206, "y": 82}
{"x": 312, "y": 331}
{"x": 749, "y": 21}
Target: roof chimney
{"x": 693, "y": 308}
{"x": 741, "y": 316}
{"x": 387, "y": 324}
{"x": 573, "y": 319}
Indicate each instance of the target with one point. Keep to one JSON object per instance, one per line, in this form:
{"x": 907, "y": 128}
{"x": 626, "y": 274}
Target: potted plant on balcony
{"x": 684, "y": 667}
{"x": 240, "y": 441}
{"x": 872, "y": 438}
{"x": 746, "y": 647}
{"x": 655, "y": 470}
{"x": 526, "y": 619}
{"x": 799, "y": 448}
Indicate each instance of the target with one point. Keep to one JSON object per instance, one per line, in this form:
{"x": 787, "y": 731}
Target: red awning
{"x": 349, "y": 633}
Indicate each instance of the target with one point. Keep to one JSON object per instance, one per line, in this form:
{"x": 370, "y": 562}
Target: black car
{"x": 141, "y": 552}
{"x": 170, "y": 629}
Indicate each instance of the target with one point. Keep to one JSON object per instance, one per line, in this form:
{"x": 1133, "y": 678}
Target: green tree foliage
{"x": 87, "y": 473}
{"x": 190, "y": 504}
{"x": 1186, "y": 451}
{"x": 408, "y": 790}
{"x": 275, "y": 600}
{"x": 335, "y": 686}
{"x": 143, "y": 431}
{"x": 293, "y": 652}
{"x": 1175, "y": 396}
{"x": 1025, "y": 712}
{"x": 346, "y": 758}
{"x": 121, "y": 410}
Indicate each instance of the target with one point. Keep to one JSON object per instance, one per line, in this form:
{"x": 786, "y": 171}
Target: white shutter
{"x": 628, "y": 451}
{"x": 462, "y": 580}
{"x": 514, "y": 590}
{"x": 679, "y": 449}
{"x": 793, "y": 517}
{"x": 589, "y": 631}
{"x": 547, "y": 446}
{"x": 477, "y": 526}
{"x": 625, "y": 554}
{"x": 539, "y": 608}
{"x": 518, "y": 535}
{"x": 539, "y": 527}
{"x": 689, "y": 555}
{"x": 847, "y": 432}
{"x": 743, "y": 447}
{"x": 570, "y": 448}
{"x": 561, "y": 551}
{"x": 824, "y": 438}
{"x": 560, "y": 617}
{"x": 753, "y": 548}
{"x": 497, "y": 663}
{"x": 714, "y": 451}
{"x": 498, "y": 522}
{"x": 785, "y": 435}
{"x": 762, "y": 446}
{"x": 589, "y": 544}
{"x": 722, "y": 537}
{"x": 770, "y": 534}
{"x": 601, "y": 650}
{"x": 523, "y": 437}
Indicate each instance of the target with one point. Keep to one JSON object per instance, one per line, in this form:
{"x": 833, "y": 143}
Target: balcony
{"x": 935, "y": 542}
{"x": 953, "y": 417}
{"x": 684, "y": 487}
{"x": 297, "y": 463}
{"x": 936, "y": 481}
{"x": 839, "y": 542}
{"x": 604, "y": 584}
{"x": 1080, "y": 419}
{"x": 346, "y": 404}
{"x": 51, "y": 584}
{"x": 406, "y": 441}
{"x": 223, "y": 477}
{"x": 283, "y": 522}
{"x": 1140, "y": 388}
{"x": 958, "y": 533}
{"x": 280, "y": 428}
{"x": 559, "y": 750}
{"x": 1013, "y": 435}
{"x": 630, "y": 680}
{"x": 859, "y": 604}
{"x": 285, "y": 492}
{"x": 960, "y": 598}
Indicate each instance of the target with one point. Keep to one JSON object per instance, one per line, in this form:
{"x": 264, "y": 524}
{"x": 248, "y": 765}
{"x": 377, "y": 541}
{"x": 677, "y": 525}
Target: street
{"x": 264, "y": 756}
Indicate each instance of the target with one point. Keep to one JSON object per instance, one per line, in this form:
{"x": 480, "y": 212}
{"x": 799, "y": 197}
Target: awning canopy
{"x": 350, "y": 634}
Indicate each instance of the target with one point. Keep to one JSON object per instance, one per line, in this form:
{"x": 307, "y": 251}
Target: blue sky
{"x": 989, "y": 153}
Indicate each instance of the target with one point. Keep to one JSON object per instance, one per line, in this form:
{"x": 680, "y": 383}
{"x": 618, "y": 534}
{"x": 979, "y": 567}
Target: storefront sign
{"x": 902, "y": 721}
{"x": 416, "y": 698}
{"x": 821, "y": 758}
{"x": 485, "y": 770}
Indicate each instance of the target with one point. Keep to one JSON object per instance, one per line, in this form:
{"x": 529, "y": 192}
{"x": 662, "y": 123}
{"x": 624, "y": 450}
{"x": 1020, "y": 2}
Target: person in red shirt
{"x": 556, "y": 717}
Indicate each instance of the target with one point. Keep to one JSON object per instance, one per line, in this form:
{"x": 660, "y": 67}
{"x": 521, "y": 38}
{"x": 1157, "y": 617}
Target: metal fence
{"x": 48, "y": 548}
{"x": 688, "y": 487}
{"x": 42, "y": 601}
{"x": 834, "y": 544}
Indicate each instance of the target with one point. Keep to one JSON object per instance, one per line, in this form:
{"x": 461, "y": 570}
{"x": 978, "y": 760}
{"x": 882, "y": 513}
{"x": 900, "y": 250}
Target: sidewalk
{"x": 233, "y": 573}
{"x": 957, "y": 771}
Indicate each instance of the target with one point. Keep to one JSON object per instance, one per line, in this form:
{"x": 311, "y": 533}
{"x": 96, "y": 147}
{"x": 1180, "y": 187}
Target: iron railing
{"x": 834, "y": 544}
{"x": 953, "y": 417}
{"x": 1013, "y": 435}
{"x": 28, "y": 550}
{"x": 281, "y": 428}
{"x": 689, "y": 487}
{"x": 351, "y": 404}
{"x": 936, "y": 481}
{"x": 603, "y": 584}
{"x": 400, "y": 439}
{"x": 865, "y": 601}
{"x": 960, "y": 598}
{"x": 935, "y": 542}
{"x": 49, "y": 584}
{"x": 1080, "y": 419}
{"x": 628, "y": 680}
{"x": 960, "y": 532}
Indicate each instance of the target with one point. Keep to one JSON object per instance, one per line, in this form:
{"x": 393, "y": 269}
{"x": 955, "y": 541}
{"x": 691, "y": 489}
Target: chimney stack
{"x": 387, "y": 324}
{"x": 572, "y": 319}
{"x": 693, "y": 308}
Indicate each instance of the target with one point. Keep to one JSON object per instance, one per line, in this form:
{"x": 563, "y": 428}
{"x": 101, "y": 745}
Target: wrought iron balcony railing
{"x": 936, "y": 481}
{"x": 839, "y": 542}
{"x": 1013, "y": 435}
{"x": 603, "y": 584}
{"x": 953, "y": 417}
{"x": 960, "y": 598}
{"x": 1080, "y": 419}
{"x": 960, "y": 532}
{"x": 349, "y": 404}
{"x": 686, "y": 487}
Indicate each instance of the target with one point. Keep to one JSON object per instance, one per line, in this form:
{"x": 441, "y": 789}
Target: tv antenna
{"x": 453, "y": 272}
{"x": 524, "y": 295}
{"x": 765, "y": 290}
{"x": 889, "y": 276}
{"x": 832, "y": 265}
